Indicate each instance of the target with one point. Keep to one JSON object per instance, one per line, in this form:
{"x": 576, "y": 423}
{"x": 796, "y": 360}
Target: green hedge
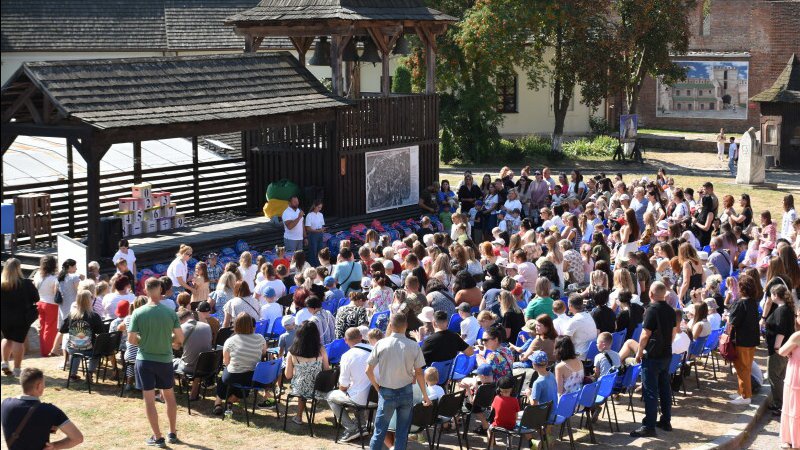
{"x": 599, "y": 146}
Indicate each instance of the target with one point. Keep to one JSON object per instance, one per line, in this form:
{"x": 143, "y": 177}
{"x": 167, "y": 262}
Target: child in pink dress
{"x": 790, "y": 414}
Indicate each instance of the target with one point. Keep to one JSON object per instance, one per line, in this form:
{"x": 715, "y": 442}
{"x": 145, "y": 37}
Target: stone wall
{"x": 766, "y": 29}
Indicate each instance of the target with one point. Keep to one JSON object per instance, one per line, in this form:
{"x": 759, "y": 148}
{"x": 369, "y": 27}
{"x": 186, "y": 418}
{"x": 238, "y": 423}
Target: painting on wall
{"x": 392, "y": 178}
{"x": 711, "y": 90}
{"x": 628, "y": 127}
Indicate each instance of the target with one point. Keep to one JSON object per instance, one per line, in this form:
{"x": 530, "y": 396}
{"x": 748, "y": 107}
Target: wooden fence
{"x": 219, "y": 186}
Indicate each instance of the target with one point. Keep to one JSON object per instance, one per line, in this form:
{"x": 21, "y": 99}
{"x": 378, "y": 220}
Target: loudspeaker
{"x": 110, "y": 233}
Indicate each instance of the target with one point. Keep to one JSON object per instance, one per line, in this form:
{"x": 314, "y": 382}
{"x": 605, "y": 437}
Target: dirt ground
{"x": 111, "y": 422}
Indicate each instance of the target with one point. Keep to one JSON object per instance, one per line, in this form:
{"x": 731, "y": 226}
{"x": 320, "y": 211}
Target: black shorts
{"x": 154, "y": 375}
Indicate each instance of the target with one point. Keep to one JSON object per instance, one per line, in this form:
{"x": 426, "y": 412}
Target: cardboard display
{"x": 149, "y": 226}
{"x": 143, "y": 190}
{"x": 177, "y": 221}
{"x": 165, "y": 224}
{"x": 136, "y": 229}
{"x": 161, "y": 198}
{"x": 130, "y": 204}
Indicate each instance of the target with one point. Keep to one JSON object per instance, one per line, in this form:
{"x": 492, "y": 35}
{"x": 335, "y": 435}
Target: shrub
{"x": 535, "y": 147}
{"x": 600, "y": 127}
{"x": 447, "y": 147}
{"x": 599, "y": 146}
{"x": 507, "y": 151}
{"x": 401, "y": 82}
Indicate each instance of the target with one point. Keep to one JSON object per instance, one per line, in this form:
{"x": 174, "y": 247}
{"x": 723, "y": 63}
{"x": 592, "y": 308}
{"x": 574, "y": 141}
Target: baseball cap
{"x": 478, "y": 202}
{"x": 624, "y": 197}
{"x": 211, "y": 255}
{"x": 204, "y": 307}
{"x": 740, "y": 241}
{"x": 484, "y": 369}
{"x": 501, "y": 212}
{"x": 703, "y": 256}
{"x": 499, "y": 242}
{"x": 538, "y": 358}
{"x": 501, "y": 263}
{"x": 511, "y": 266}
{"x": 366, "y": 283}
{"x": 662, "y": 233}
{"x": 330, "y": 281}
{"x": 269, "y": 293}
{"x": 463, "y": 307}
{"x": 287, "y": 320}
{"x": 122, "y": 308}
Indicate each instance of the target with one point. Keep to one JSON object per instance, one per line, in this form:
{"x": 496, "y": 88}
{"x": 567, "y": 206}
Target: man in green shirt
{"x": 156, "y": 330}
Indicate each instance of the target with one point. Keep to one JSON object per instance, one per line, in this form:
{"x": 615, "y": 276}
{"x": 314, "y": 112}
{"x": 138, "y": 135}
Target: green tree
{"x": 401, "y": 82}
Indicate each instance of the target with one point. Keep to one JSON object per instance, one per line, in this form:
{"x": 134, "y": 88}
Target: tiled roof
{"x": 119, "y": 93}
{"x": 786, "y": 88}
{"x": 309, "y": 10}
{"x": 108, "y": 25}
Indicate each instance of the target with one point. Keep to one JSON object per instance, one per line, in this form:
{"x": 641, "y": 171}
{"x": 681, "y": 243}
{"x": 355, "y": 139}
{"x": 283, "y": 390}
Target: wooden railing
{"x": 221, "y": 185}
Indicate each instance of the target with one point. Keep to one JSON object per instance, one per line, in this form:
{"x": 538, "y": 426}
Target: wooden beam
{"x": 47, "y": 108}
{"x": 29, "y": 129}
{"x": 302, "y": 44}
{"x": 7, "y": 140}
{"x": 428, "y": 37}
{"x": 137, "y": 162}
{"x": 71, "y": 187}
{"x": 385, "y": 38}
{"x": 18, "y": 102}
{"x": 35, "y": 114}
{"x": 195, "y": 176}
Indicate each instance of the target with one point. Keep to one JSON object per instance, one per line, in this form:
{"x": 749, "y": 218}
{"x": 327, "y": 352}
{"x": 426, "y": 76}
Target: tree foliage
{"x": 401, "y": 82}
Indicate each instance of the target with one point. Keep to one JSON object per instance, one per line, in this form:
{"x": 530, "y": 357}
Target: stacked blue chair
{"x": 564, "y": 412}
{"x": 586, "y": 399}
{"x": 604, "y": 392}
{"x": 711, "y": 345}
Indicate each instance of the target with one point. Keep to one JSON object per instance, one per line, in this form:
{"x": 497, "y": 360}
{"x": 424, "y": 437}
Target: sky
{"x": 703, "y": 69}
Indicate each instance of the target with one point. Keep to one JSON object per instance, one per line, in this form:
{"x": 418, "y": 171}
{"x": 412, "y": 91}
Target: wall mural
{"x": 711, "y": 90}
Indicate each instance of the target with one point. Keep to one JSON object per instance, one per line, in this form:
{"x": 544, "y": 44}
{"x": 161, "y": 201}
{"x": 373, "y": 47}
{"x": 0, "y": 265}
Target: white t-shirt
{"x": 277, "y": 285}
{"x": 177, "y": 268}
{"x": 302, "y": 316}
{"x": 169, "y": 303}
{"x": 470, "y": 328}
{"x": 681, "y": 343}
{"x": 582, "y": 329}
{"x": 787, "y": 223}
{"x": 110, "y": 303}
{"x": 296, "y": 233}
{"x": 434, "y": 392}
{"x": 560, "y": 323}
{"x": 314, "y": 220}
{"x": 353, "y": 372}
{"x": 249, "y": 276}
{"x": 129, "y": 257}
{"x": 511, "y": 205}
{"x": 47, "y": 287}
{"x": 271, "y": 311}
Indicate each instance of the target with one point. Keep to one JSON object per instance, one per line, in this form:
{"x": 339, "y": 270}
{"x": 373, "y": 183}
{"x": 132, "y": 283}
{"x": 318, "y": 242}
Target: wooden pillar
{"x": 386, "y": 87}
{"x": 93, "y": 152}
{"x": 302, "y": 44}
{"x": 336, "y": 65}
{"x": 70, "y": 188}
{"x": 430, "y": 66}
{"x": 195, "y": 176}
{"x": 137, "y": 162}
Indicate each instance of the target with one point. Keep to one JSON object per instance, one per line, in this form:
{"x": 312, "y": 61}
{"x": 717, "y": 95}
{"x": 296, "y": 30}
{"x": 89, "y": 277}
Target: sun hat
{"x": 366, "y": 283}
{"x": 662, "y": 233}
{"x": 530, "y": 326}
{"x": 426, "y": 315}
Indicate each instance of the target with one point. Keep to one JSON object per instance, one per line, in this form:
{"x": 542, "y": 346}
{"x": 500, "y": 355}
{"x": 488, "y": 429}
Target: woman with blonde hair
{"x": 17, "y": 313}
{"x": 511, "y": 316}
{"x": 692, "y": 271}
{"x": 248, "y": 270}
{"x": 80, "y": 327}
{"x": 555, "y": 256}
{"x": 178, "y": 270}
{"x": 649, "y": 233}
{"x": 441, "y": 270}
{"x": 598, "y": 281}
{"x": 623, "y": 282}
{"x": 222, "y": 294}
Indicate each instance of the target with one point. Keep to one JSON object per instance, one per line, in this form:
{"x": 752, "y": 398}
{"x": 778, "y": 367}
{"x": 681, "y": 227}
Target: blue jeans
{"x": 656, "y": 387}
{"x": 293, "y": 245}
{"x": 732, "y": 166}
{"x": 390, "y": 402}
{"x": 314, "y": 246}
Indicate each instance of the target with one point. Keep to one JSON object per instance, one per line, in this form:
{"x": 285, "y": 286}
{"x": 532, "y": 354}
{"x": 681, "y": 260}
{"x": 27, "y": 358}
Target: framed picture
{"x": 711, "y": 90}
{"x": 392, "y": 178}
{"x": 628, "y": 127}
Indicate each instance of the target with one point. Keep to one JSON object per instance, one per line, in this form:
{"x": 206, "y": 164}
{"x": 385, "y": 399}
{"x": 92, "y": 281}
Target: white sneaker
{"x": 740, "y": 401}
{"x": 734, "y": 396}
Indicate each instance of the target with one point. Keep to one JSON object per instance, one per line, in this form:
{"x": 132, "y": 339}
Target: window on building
{"x": 689, "y": 106}
{"x": 678, "y": 106}
{"x": 711, "y": 106}
{"x": 677, "y": 92}
{"x": 702, "y": 106}
{"x": 507, "y": 90}
{"x": 772, "y": 134}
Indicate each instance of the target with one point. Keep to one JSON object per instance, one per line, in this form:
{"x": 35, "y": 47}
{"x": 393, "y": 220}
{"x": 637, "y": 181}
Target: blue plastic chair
{"x": 265, "y": 375}
{"x": 604, "y": 391}
{"x": 262, "y": 327}
{"x": 592, "y": 351}
{"x": 712, "y": 343}
{"x": 455, "y": 324}
{"x": 644, "y": 249}
{"x": 637, "y": 332}
{"x": 343, "y": 302}
{"x": 276, "y": 330}
{"x": 694, "y": 352}
{"x": 564, "y": 412}
{"x": 618, "y": 340}
{"x": 586, "y": 399}
{"x": 480, "y": 334}
{"x": 335, "y": 350}
{"x": 445, "y": 369}
{"x": 380, "y": 320}
{"x": 474, "y": 310}
{"x": 463, "y": 366}
{"x": 330, "y": 306}
{"x": 707, "y": 249}
{"x": 675, "y": 365}
{"x": 628, "y": 384}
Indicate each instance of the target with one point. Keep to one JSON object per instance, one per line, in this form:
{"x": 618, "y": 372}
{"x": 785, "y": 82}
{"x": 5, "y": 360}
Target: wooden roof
{"x": 786, "y": 88}
{"x": 124, "y": 93}
{"x": 287, "y": 11}
{"x": 114, "y": 25}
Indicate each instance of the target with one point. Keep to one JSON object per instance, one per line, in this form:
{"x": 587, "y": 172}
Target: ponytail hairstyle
{"x": 65, "y": 269}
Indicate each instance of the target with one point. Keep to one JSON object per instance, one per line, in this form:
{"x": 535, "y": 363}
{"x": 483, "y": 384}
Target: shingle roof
{"x": 308, "y": 10}
{"x": 154, "y": 25}
{"x": 786, "y": 88}
{"x": 118, "y": 93}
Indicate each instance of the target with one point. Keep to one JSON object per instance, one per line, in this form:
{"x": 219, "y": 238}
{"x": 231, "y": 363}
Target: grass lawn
{"x": 661, "y": 132}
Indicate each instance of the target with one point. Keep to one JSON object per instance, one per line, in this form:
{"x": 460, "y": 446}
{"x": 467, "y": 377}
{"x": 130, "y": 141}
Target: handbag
{"x": 727, "y": 349}
{"x": 59, "y": 299}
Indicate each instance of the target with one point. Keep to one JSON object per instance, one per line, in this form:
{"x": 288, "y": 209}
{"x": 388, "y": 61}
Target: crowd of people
{"x": 537, "y": 271}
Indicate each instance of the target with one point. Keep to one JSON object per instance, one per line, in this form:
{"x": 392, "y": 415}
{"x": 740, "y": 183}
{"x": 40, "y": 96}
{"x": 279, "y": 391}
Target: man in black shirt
{"x": 28, "y": 423}
{"x": 443, "y": 345}
{"x": 655, "y": 354}
{"x": 604, "y": 317}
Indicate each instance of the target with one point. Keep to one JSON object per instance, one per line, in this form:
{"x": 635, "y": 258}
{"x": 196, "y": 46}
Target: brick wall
{"x": 767, "y": 29}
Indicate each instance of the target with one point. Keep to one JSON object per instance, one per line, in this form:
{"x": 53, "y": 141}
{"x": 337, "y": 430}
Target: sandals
{"x": 219, "y": 409}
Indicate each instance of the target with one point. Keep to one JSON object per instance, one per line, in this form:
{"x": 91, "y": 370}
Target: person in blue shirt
{"x": 544, "y": 389}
